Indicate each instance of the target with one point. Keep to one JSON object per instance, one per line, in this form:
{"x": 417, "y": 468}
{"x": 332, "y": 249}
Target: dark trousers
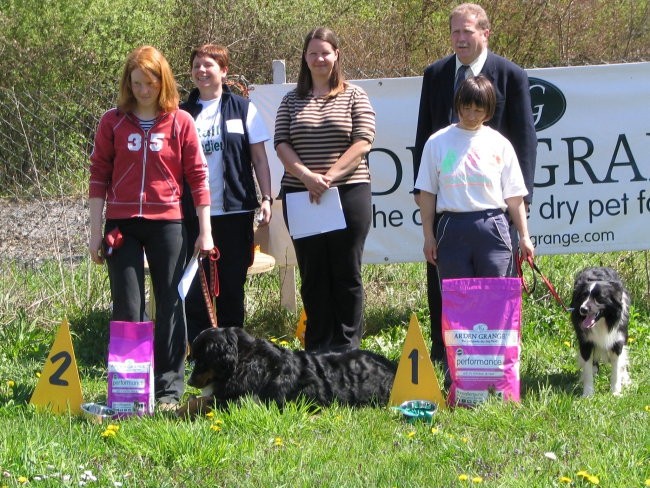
{"x": 164, "y": 244}
{"x": 474, "y": 244}
{"x": 330, "y": 272}
{"x": 434, "y": 299}
{"x": 233, "y": 236}
{"x": 434, "y": 293}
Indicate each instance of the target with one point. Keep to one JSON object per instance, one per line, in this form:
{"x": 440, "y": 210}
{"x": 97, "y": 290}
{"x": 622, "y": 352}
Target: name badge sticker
{"x": 235, "y": 126}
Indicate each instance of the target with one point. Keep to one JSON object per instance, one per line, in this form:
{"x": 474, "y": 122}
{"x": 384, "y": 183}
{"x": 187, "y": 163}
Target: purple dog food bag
{"x": 130, "y": 368}
{"x": 481, "y": 325}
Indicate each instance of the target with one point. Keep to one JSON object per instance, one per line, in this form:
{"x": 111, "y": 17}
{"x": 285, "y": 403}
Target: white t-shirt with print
{"x": 470, "y": 170}
{"x": 208, "y": 126}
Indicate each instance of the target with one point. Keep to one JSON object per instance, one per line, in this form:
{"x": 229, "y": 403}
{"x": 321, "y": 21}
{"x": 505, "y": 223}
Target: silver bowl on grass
{"x": 97, "y": 412}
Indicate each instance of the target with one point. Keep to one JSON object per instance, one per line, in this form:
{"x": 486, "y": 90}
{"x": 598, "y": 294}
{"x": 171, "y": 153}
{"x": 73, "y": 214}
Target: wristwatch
{"x": 267, "y": 198}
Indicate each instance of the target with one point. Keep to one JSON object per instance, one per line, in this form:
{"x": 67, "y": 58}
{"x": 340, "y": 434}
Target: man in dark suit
{"x": 470, "y": 29}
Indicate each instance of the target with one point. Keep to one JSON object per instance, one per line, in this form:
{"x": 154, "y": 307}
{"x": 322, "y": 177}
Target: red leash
{"x": 210, "y": 293}
{"x": 537, "y": 271}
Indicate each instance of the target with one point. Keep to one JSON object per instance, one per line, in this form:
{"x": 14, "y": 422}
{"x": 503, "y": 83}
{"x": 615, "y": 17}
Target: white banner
{"x": 593, "y": 163}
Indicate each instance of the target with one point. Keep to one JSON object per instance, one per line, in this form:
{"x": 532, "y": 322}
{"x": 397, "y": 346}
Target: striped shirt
{"x": 320, "y": 130}
{"x": 146, "y": 124}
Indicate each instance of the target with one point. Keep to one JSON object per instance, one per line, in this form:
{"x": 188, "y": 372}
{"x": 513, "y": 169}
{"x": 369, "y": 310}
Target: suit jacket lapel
{"x": 447, "y": 86}
{"x": 490, "y": 68}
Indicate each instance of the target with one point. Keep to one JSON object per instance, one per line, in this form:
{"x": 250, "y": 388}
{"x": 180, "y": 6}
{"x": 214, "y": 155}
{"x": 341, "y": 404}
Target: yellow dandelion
{"x": 209, "y": 415}
{"x": 22, "y": 480}
{"x": 411, "y": 434}
{"x": 647, "y": 482}
{"x": 631, "y": 339}
{"x": 215, "y": 427}
{"x": 38, "y": 374}
{"x": 565, "y": 479}
{"x": 593, "y": 479}
{"x": 582, "y": 473}
{"x": 647, "y": 408}
{"x": 278, "y": 441}
{"x": 113, "y": 427}
{"x": 274, "y": 340}
{"x": 463, "y": 477}
{"x": 435, "y": 430}
{"x": 217, "y": 422}
{"x": 567, "y": 343}
{"x": 477, "y": 479}
{"x": 464, "y": 439}
{"x": 284, "y": 343}
{"x": 109, "y": 433}
{"x": 11, "y": 383}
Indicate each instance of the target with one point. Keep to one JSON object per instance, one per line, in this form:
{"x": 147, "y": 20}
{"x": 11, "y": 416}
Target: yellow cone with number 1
{"x": 415, "y": 378}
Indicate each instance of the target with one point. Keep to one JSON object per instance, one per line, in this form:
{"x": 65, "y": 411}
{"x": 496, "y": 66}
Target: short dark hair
{"x": 479, "y": 91}
{"x": 215, "y": 51}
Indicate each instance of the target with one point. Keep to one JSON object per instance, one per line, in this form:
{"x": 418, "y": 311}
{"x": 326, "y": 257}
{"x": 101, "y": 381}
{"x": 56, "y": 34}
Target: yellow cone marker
{"x": 415, "y": 378}
{"x": 59, "y": 388}
{"x": 301, "y": 327}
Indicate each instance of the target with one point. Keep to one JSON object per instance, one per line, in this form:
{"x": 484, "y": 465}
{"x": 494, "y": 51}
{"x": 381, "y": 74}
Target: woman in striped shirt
{"x": 323, "y": 132}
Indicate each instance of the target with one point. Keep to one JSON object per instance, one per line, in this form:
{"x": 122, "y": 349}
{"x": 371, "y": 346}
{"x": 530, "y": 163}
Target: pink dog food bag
{"x": 130, "y": 368}
{"x": 481, "y": 325}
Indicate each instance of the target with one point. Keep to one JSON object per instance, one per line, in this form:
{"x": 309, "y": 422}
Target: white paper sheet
{"x": 308, "y": 219}
{"x": 188, "y": 276}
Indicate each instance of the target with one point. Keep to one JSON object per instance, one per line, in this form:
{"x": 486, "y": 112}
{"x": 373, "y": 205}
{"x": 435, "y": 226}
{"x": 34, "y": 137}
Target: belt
{"x": 478, "y": 214}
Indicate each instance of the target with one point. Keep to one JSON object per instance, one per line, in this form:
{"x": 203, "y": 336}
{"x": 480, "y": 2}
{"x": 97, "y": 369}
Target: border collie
{"x": 600, "y": 314}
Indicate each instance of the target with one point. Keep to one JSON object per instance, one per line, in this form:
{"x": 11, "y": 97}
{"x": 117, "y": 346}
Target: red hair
{"x": 155, "y": 66}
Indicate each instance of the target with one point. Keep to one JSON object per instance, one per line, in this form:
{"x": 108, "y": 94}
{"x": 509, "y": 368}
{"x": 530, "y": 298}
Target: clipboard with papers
{"x": 307, "y": 219}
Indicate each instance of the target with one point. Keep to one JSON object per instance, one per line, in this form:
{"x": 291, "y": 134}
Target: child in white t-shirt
{"x": 470, "y": 177}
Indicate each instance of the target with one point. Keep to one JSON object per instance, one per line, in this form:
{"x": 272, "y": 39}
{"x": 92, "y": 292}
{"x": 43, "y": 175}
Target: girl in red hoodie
{"x": 144, "y": 150}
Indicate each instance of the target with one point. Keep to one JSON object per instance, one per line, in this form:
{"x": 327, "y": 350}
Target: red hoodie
{"x": 141, "y": 174}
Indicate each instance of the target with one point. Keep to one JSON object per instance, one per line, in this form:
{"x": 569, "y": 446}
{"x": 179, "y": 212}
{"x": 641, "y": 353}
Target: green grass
{"x": 552, "y": 433}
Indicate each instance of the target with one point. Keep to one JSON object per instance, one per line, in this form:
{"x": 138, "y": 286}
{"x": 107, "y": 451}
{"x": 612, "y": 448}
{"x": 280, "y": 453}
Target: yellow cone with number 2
{"x": 59, "y": 389}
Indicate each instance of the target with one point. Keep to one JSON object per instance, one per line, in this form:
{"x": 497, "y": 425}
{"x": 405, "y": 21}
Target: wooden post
{"x": 287, "y": 273}
{"x": 279, "y": 72}
{"x": 288, "y": 288}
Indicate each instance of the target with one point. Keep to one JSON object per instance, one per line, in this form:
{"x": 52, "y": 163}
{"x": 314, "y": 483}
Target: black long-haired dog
{"x": 600, "y": 316}
{"x": 229, "y": 363}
